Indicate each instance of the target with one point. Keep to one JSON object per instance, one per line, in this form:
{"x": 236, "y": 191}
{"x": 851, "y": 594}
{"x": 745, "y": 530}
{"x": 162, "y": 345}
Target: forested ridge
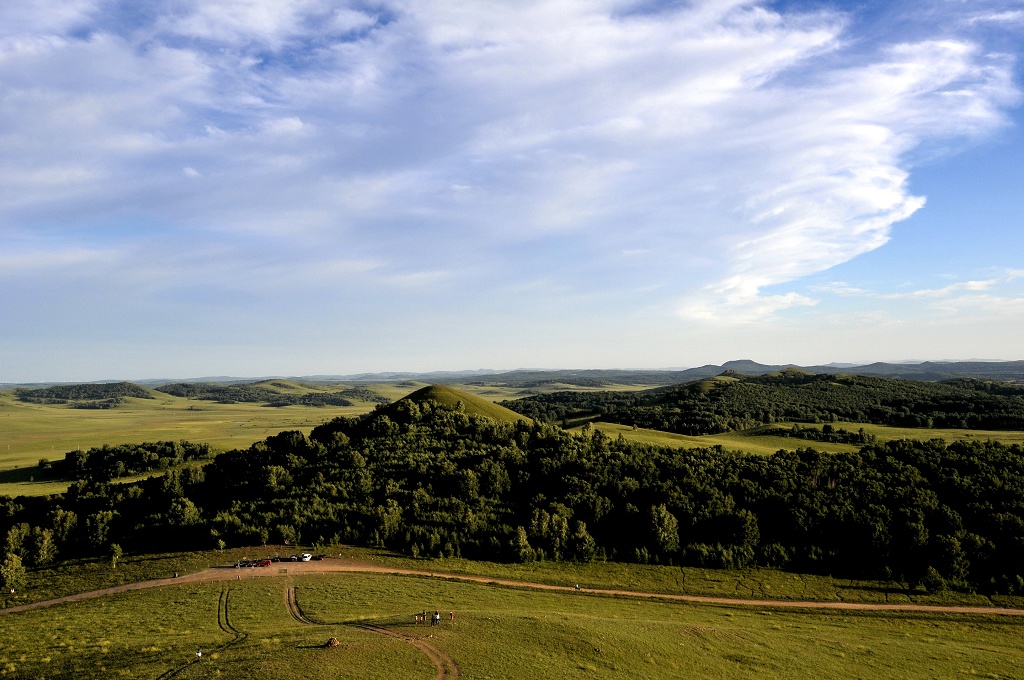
{"x": 93, "y": 395}
{"x": 429, "y": 479}
{"x": 742, "y": 402}
{"x": 261, "y": 393}
{"x": 105, "y": 463}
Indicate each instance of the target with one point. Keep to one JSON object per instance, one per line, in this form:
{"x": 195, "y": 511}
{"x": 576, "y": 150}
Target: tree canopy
{"x": 429, "y": 479}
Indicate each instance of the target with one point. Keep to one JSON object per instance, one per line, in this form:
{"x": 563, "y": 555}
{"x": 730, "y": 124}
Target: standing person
{"x": 451, "y": 616}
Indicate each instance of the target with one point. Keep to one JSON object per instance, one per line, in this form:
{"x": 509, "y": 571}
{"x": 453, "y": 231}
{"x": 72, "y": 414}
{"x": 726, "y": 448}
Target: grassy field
{"x": 750, "y": 442}
{"x": 245, "y": 631}
{"x": 29, "y": 432}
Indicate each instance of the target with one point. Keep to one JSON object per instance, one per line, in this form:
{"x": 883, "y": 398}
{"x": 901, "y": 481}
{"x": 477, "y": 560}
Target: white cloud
{"x": 708, "y": 154}
{"x": 947, "y": 291}
{"x": 44, "y": 16}
{"x": 1005, "y": 17}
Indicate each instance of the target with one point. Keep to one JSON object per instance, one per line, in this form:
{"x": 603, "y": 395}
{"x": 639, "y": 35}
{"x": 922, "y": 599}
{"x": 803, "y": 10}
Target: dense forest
{"x": 95, "y": 395}
{"x": 105, "y": 463}
{"x": 229, "y": 393}
{"x": 430, "y": 479}
{"x": 741, "y": 402}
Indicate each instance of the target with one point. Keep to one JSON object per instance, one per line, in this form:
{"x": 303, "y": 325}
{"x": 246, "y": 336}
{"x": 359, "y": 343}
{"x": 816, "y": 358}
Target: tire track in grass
{"x": 446, "y": 668}
{"x": 224, "y": 620}
{"x": 224, "y": 623}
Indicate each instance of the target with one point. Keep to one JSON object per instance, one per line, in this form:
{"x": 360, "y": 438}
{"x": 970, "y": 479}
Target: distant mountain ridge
{"x": 926, "y": 370}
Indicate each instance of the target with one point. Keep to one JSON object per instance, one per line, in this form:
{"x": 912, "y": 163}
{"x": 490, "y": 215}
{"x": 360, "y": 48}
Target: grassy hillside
{"x": 471, "y": 404}
{"x": 750, "y": 441}
{"x": 731, "y": 441}
{"x": 244, "y": 629}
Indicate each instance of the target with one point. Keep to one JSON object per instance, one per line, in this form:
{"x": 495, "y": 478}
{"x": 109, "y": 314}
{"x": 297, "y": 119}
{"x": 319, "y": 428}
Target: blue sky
{"x": 295, "y": 187}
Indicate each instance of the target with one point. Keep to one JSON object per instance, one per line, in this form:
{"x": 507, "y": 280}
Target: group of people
{"x": 435, "y": 618}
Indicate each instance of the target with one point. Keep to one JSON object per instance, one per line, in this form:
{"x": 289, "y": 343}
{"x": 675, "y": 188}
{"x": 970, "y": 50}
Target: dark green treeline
{"x": 431, "y": 480}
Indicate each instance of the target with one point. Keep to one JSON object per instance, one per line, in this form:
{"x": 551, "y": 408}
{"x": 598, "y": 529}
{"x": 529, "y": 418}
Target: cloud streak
{"x": 729, "y": 148}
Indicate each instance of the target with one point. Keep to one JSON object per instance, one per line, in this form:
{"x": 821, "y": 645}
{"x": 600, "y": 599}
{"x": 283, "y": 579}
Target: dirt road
{"x": 337, "y": 565}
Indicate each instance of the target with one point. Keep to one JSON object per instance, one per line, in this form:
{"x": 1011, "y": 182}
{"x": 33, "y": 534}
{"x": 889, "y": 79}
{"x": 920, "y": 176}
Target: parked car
{"x": 306, "y": 557}
{"x": 319, "y": 557}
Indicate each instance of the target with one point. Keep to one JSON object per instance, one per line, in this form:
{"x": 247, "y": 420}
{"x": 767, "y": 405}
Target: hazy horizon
{"x": 357, "y": 375}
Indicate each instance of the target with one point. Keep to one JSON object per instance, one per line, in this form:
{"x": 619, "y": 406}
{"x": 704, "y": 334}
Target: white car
{"x": 306, "y": 557}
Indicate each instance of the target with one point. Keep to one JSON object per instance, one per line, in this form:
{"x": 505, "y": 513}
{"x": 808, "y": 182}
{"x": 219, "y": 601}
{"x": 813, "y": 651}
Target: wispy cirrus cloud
{"x": 706, "y": 155}
{"x": 954, "y": 289}
{"x": 1010, "y": 17}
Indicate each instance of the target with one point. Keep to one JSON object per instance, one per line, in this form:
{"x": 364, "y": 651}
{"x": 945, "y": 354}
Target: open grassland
{"x": 86, "y": 575}
{"x": 749, "y": 441}
{"x": 514, "y": 633}
{"x": 245, "y": 630}
{"x": 733, "y": 441}
{"x": 757, "y": 583}
{"x": 29, "y": 432}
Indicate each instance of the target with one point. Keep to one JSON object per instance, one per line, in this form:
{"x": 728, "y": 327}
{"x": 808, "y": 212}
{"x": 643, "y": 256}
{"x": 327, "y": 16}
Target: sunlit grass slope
{"x": 472, "y": 404}
{"x": 750, "y": 441}
{"x": 245, "y": 631}
{"x": 733, "y": 441}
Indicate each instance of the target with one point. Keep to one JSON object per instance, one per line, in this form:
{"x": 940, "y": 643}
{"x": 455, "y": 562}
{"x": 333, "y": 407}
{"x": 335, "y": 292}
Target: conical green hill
{"x": 471, "y": 403}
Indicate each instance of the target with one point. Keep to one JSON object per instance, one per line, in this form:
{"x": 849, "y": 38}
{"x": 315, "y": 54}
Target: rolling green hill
{"x": 273, "y": 392}
{"x": 735, "y": 402}
{"x": 471, "y": 404}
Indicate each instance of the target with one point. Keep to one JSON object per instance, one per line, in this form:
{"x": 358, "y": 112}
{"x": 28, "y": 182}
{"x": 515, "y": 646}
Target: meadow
{"x": 245, "y": 630}
{"x": 750, "y": 441}
{"x": 30, "y": 432}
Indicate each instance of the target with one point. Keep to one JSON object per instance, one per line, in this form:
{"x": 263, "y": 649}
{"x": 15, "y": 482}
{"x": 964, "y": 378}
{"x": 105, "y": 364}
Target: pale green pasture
{"x": 885, "y": 433}
{"x": 755, "y": 583}
{"x": 510, "y": 633}
{"x": 84, "y": 575}
{"x": 499, "y": 632}
{"x": 29, "y": 432}
{"x": 750, "y": 442}
{"x": 242, "y": 628}
{"x": 730, "y": 440}
{"x": 244, "y": 631}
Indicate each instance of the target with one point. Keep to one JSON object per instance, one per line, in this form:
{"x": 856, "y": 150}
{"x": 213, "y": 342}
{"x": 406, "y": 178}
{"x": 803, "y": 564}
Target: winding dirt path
{"x": 337, "y": 565}
{"x": 446, "y": 668}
